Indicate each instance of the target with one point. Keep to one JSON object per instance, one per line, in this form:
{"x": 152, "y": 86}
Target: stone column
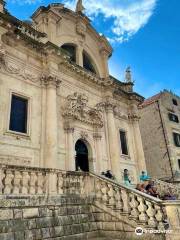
{"x": 52, "y": 83}
{"x": 98, "y": 144}
{"x": 113, "y": 140}
{"x": 139, "y": 152}
{"x": 79, "y": 56}
{"x": 140, "y": 159}
{"x": 105, "y": 56}
{"x": 70, "y": 148}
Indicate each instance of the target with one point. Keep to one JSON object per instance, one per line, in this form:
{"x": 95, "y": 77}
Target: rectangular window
{"x": 176, "y": 137}
{"x": 123, "y": 139}
{"x": 18, "y": 114}
{"x": 173, "y": 117}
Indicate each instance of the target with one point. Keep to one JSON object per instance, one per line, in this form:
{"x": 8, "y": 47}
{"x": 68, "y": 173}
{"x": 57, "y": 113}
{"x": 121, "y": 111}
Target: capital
{"x": 50, "y": 80}
{"x": 97, "y": 136}
{"x": 69, "y": 129}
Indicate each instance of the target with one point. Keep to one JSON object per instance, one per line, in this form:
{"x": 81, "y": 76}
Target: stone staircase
{"x": 58, "y": 217}
{"x": 52, "y": 204}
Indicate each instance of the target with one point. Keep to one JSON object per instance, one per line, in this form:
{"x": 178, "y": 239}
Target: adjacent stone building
{"x": 59, "y": 106}
{"x": 160, "y": 129}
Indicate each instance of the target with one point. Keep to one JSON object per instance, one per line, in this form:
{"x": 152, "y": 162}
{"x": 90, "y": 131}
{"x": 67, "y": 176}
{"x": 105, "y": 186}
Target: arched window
{"x": 87, "y": 63}
{"x": 71, "y": 49}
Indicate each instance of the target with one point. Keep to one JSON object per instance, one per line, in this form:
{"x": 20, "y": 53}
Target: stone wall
{"x": 59, "y": 217}
{"x": 154, "y": 145}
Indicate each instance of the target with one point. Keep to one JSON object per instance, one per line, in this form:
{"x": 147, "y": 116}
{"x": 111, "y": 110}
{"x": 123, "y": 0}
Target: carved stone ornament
{"x": 11, "y": 68}
{"x": 81, "y": 28}
{"x": 50, "y": 80}
{"x": 133, "y": 113}
{"x": 76, "y": 108}
{"x": 119, "y": 114}
{"x": 84, "y": 135}
{"x": 107, "y": 105}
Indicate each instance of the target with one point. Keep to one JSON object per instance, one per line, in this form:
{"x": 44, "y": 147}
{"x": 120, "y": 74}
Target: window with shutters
{"x": 176, "y": 137}
{"x": 123, "y": 139}
{"x": 18, "y": 114}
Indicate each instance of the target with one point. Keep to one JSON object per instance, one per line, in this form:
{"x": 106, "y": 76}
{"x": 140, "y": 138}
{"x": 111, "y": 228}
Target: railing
{"x": 142, "y": 208}
{"x": 135, "y": 206}
{"x": 164, "y": 187}
{"x": 17, "y": 180}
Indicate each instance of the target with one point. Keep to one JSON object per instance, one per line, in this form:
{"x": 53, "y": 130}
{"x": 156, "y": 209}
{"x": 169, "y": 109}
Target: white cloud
{"x": 23, "y": 2}
{"x": 128, "y": 16}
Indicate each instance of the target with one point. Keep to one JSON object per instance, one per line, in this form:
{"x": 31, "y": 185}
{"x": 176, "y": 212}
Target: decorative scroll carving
{"x": 76, "y": 107}
{"x": 22, "y": 71}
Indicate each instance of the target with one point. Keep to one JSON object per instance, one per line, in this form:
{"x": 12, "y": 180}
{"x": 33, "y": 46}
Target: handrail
{"x": 129, "y": 189}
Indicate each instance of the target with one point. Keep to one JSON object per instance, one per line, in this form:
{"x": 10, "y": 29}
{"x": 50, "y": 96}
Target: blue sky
{"x": 144, "y": 34}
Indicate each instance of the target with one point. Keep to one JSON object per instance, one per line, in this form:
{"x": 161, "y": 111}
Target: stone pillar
{"x": 98, "y": 144}
{"x": 70, "y": 148}
{"x": 173, "y": 216}
{"x": 52, "y": 83}
{"x": 79, "y": 56}
{"x": 105, "y": 56}
{"x": 139, "y": 152}
{"x": 113, "y": 141}
{"x": 140, "y": 159}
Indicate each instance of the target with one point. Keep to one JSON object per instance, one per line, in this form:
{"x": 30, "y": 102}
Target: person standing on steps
{"x": 127, "y": 180}
{"x": 144, "y": 176}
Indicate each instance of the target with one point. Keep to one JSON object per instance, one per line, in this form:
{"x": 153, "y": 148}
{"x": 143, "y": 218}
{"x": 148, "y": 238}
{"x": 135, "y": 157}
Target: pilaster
{"x": 51, "y": 83}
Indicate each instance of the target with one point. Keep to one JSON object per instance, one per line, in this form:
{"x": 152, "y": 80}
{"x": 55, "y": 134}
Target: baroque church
{"x": 63, "y": 120}
{"x": 59, "y": 106}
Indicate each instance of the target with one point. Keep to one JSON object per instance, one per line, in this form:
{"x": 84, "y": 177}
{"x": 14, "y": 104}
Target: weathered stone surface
{"x": 18, "y": 225}
{"x": 17, "y": 213}
{"x": 6, "y": 214}
{"x": 30, "y": 213}
{"x": 45, "y": 232}
{"x": 6, "y": 236}
{"x": 19, "y": 235}
{"x": 32, "y": 224}
{"x": 44, "y": 222}
{"x": 4, "y": 226}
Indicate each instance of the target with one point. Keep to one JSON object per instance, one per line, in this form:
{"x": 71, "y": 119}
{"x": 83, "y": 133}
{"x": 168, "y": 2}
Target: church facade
{"x": 59, "y": 106}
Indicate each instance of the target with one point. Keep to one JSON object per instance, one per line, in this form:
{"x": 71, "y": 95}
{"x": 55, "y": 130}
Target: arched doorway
{"x": 82, "y": 161}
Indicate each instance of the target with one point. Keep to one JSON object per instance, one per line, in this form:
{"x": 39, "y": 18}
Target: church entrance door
{"x": 82, "y": 161}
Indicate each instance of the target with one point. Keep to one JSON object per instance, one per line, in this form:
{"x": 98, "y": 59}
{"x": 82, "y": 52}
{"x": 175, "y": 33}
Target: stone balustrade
{"x": 164, "y": 187}
{"x": 144, "y": 209}
{"x": 113, "y": 197}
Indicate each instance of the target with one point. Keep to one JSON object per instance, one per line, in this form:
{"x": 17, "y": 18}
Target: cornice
{"x": 82, "y": 73}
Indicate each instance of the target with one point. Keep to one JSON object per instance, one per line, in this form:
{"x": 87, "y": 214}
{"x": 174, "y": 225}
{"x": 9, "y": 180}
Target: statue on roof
{"x": 128, "y": 75}
{"x": 79, "y": 6}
